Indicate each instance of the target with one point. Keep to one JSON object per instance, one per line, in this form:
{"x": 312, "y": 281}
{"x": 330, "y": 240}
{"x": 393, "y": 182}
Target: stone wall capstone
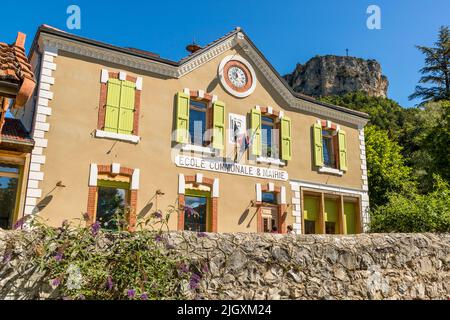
{"x": 272, "y": 266}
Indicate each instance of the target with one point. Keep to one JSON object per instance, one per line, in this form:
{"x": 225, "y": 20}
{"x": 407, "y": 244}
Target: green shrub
{"x": 415, "y": 212}
{"x": 91, "y": 263}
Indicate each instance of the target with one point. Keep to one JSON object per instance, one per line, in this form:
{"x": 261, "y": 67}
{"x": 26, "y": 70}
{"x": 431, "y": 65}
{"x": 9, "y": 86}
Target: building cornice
{"x": 174, "y": 70}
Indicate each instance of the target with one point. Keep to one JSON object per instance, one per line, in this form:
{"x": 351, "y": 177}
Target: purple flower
{"x": 194, "y": 282}
{"x": 157, "y": 214}
{"x": 19, "y": 223}
{"x": 144, "y": 296}
{"x": 56, "y": 282}
{"x": 158, "y": 238}
{"x": 59, "y": 256}
{"x": 95, "y": 227}
{"x": 205, "y": 268}
{"x": 183, "y": 268}
{"x": 189, "y": 210}
{"x": 131, "y": 293}
{"x": 81, "y": 297}
{"x": 202, "y": 235}
{"x": 7, "y": 258}
{"x": 109, "y": 283}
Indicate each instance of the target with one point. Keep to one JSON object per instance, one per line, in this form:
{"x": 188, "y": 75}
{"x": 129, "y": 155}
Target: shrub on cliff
{"x": 415, "y": 212}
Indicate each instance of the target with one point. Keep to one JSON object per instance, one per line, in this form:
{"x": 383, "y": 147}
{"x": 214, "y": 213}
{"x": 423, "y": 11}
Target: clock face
{"x": 237, "y": 76}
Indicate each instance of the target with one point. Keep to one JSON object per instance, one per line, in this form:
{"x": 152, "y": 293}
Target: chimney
{"x": 193, "y": 47}
{"x": 20, "y": 40}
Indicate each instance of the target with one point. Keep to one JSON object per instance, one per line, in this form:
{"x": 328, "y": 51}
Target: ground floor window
{"x": 196, "y": 211}
{"x": 112, "y": 199}
{"x": 330, "y": 213}
{"x": 311, "y": 214}
{"x": 9, "y": 181}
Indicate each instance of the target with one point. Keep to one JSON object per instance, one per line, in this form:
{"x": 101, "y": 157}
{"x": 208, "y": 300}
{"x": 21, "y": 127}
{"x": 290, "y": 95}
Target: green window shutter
{"x": 342, "y": 150}
{"x": 126, "y": 115}
{"x": 112, "y": 105}
{"x": 218, "y": 124}
{"x": 255, "y": 121}
{"x": 182, "y": 117}
{"x": 318, "y": 146}
{"x": 286, "y": 145}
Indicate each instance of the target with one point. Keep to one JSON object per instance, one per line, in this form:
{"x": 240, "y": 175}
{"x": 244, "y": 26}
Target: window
{"x": 197, "y": 122}
{"x": 310, "y": 227}
{"x": 112, "y": 200}
{"x": 270, "y": 136}
{"x": 330, "y": 227}
{"x": 329, "y": 149}
{"x": 195, "y": 117}
{"x": 195, "y": 213}
{"x": 9, "y": 180}
{"x": 268, "y": 139}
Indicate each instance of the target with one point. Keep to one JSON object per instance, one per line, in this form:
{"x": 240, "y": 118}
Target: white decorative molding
{"x": 199, "y": 178}
{"x": 135, "y": 179}
{"x": 214, "y": 98}
{"x": 258, "y": 192}
{"x": 93, "y": 175}
{"x": 117, "y": 136}
{"x": 281, "y": 115}
{"x": 331, "y": 171}
{"x": 269, "y": 110}
{"x": 122, "y": 75}
{"x": 201, "y": 94}
{"x": 215, "y": 188}
{"x": 139, "y": 83}
{"x": 40, "y": 127}
{"x": 187, "y": 91}
{"x": 273, "y": 161}
{"x": 224, "y": 83}
{"x": 181, "y": 184}
{"x": 283, "y": 195}
{"x": 104, "y": 76}
{"x": 199, "y": 149}
{"x": 115, "y": 168}
{"x": 271, "y": 186}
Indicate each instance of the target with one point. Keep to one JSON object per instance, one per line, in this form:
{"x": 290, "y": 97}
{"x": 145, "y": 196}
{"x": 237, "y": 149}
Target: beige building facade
{"x": 218, "y": 135}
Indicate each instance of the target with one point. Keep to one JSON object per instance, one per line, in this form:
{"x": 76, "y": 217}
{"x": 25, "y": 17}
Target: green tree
{"x": 386, "y": 169}
{"x": 436, "y": 72}
{"x": 415, "y": 212}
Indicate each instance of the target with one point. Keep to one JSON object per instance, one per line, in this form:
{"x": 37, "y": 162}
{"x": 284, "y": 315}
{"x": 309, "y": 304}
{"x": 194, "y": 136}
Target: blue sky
{"x": 286, "y": 32}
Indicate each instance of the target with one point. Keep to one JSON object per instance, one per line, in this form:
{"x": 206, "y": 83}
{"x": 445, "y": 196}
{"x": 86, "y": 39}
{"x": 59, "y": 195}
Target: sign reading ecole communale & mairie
{"x": 230, "y": 167}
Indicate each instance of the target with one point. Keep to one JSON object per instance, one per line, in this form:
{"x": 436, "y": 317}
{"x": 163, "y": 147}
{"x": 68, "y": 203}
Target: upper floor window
{"x": 198, "y": 122}
{"x": 270, "y": 134}
{"x": 268, "y": 139}
{"x": 195, "y": 116}
{"x": 329, "y": 142}
{"x": 119, "y": 106}
{"x": 269, "y": 197}
{"x": 330, "y": 147}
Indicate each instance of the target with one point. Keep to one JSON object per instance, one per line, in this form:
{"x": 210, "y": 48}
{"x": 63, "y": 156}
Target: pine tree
{"x": 436, "y": 72}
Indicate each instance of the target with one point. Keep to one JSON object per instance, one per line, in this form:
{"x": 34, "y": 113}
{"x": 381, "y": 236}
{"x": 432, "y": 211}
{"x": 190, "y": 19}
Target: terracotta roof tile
{"x": 14, "y": 131}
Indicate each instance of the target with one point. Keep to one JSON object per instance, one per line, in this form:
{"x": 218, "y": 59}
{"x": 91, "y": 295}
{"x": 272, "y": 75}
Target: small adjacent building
{"x": 218, "y": 136}
{"x": 16, "y": 87}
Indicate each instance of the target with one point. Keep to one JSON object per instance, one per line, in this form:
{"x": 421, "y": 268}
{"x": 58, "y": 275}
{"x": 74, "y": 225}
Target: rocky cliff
{"x": 338, "y": 75}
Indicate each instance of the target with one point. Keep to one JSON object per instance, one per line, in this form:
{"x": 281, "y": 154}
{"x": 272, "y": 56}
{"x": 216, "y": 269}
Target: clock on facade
{"x": 237, "y": 76}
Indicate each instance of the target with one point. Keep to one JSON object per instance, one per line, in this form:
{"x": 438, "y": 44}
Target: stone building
{"x": 219, "y": 135}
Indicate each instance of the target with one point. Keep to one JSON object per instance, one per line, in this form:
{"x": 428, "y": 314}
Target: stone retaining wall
{"x": 269, "y": 266}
